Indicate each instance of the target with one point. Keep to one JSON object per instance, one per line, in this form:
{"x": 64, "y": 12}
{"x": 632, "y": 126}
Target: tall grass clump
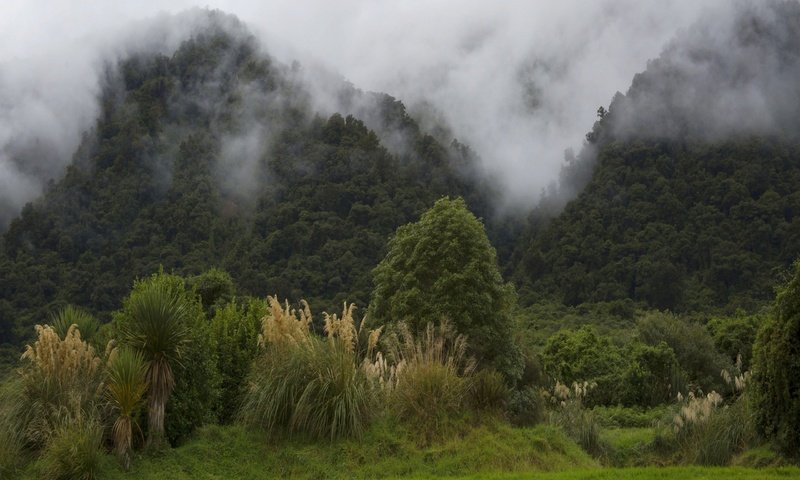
{"x": 304, "y": 384}
{"x": 58, "y": 376}
{"x": 569, "y": 413}
{"x": 74, "y": 451}
{"x": 13, "y": 423}
{"x": 432, "y": 377}
{"x": 710, "y": 432}
{"x": 126, "y": 388}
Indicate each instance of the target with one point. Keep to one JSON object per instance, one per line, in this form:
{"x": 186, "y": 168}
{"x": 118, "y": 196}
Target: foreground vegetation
{"x": 488, "y": 451}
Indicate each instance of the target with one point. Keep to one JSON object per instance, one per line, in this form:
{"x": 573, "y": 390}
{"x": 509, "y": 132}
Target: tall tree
{"x": 443, "y": 266}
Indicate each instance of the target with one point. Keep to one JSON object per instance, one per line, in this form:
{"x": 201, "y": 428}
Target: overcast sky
{"x": 519, "y": 81}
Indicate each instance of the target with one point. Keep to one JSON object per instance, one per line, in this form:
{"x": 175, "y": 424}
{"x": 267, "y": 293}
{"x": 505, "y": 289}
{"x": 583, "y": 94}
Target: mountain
{"x": 214, "y": 155}
{"x": 693, "y": 200}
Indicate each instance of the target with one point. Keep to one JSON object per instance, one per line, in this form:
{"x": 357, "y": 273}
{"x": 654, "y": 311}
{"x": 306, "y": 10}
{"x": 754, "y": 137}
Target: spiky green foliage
{"x": 71, "y": 315}
{"x": 126, "y": 387}
{"x": 154, "y": 323}
{"x": 776, "y": 369}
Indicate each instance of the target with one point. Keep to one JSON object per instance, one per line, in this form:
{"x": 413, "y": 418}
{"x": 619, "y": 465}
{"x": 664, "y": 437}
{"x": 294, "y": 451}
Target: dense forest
{"x": 167, "y": 178}
{"x": 213, "y": 207}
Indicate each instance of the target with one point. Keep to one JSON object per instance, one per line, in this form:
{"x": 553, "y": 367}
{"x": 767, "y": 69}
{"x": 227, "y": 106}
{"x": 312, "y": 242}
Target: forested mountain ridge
{"x": 215, "y": 156}
{"x": 693, "y": 202}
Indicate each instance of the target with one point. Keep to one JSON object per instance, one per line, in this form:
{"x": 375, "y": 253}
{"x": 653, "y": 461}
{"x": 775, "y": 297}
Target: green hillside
{"x": 214, "y": 157}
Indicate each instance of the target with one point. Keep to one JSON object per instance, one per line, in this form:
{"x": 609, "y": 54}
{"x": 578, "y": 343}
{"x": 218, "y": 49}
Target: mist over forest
{"x": 570, "y": 231}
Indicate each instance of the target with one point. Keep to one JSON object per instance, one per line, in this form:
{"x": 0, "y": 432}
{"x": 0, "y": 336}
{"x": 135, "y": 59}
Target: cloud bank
{"x": 518, "y": 81}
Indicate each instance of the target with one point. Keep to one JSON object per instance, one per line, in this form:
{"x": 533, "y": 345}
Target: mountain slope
{"x": 214, "y": 155}
{"x": 694, "y": 198}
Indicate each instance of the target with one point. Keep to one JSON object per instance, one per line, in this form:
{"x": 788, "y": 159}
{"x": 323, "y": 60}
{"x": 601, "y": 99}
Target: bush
{"x": 444, "y": 266}
{"x": 734, "y": 336}
{"x": 653, "y": 376}
{"x": 74, "y": 450}
{"x": 197, "y": 381}
{"x": 488, "y": 392}
{"x": 631, "y": 417}
{"x": 235, "y": 328}
{"x": 776, "y": 370}
{"x": 165, "y": 321}
{"x": 693, "y": 346}
{"x": 526, "y": 407}
{"x": 585, "y": 355}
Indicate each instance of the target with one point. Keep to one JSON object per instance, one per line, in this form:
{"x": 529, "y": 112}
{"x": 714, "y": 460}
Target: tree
{"x": 776, "y": 369}
{"x": 443, "y": 266}
{"x": 153, "y": 321}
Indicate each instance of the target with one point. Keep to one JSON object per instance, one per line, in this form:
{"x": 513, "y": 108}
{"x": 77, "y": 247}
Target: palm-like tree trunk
{"x": 161, "y": 383}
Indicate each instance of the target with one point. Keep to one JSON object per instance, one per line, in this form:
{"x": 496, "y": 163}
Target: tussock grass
{"x": 58, "y": 377}
{"x": 577, "y": 422}
{"x": 303, "y": 384}
{"x": 433, "y": 378}
{"x": 74, "y": 451}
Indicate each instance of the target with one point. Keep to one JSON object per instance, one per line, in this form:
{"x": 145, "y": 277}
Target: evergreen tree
{"x": 443, "y": 266}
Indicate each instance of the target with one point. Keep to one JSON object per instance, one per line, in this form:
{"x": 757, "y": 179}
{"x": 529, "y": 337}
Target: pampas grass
{"x": 58, "y": 375}
{"x": 304, "y": 384}
{"x": 432, "y": 377}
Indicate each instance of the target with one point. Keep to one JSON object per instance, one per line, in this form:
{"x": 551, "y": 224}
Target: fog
{"x": 518, "y": 81}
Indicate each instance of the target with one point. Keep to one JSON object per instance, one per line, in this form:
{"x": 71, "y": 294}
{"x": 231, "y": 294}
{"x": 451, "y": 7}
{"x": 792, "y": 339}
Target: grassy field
{"x": 486, "y": 452}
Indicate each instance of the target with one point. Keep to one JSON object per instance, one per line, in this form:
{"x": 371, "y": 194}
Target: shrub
{"x": 693, "y": 346}
{"x": 776, "y": 369}
{"x": 166, "y": 323}
{"x": 734, "y": 336}
{"x": 526, "y": 407}
{"x": 444, "y": 266}
{"x": 74, "y": 450}
{"x": 488, "y": 391}
{"x": 585, "y": 355}
{"x": 653, "y": 376}
{"x": 303, "y": 384}
{"x": 235, "y": 328}
{"x": 214, "y": 287}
